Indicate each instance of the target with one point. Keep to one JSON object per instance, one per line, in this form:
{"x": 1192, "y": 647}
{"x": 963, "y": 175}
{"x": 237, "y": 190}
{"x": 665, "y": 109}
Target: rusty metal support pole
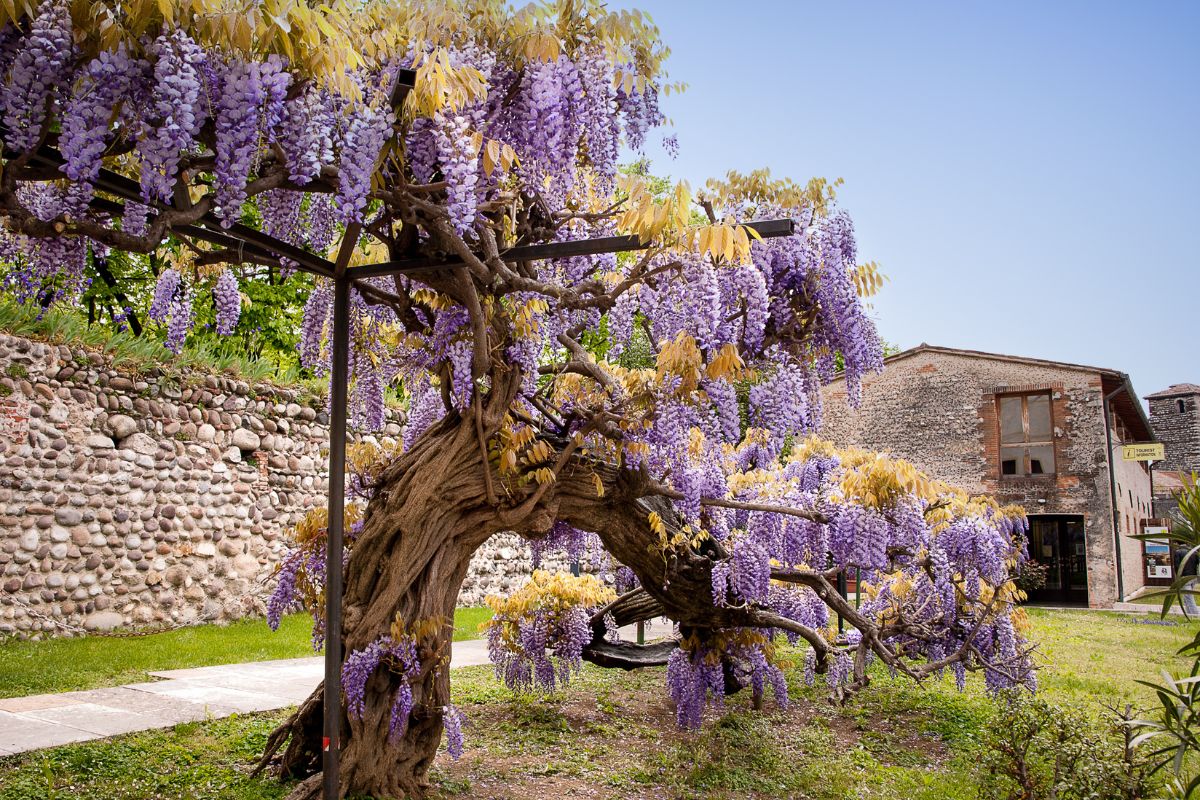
{"x": 339, "y": 377}
{"x": 1150, "y": 471}
{"x": 841, "y": 589}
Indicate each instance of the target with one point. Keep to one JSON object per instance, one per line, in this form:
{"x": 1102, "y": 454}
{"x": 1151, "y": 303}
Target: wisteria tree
{"x": 654, "y": 407}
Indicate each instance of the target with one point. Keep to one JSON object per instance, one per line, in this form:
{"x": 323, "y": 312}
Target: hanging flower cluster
{"x": 934, "y": 565}
{"x": 536, "y": 635}
{"x": 400, "y": 654}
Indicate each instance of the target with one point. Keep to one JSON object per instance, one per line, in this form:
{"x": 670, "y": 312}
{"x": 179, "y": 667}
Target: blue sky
{"x": 1026, "y": 174}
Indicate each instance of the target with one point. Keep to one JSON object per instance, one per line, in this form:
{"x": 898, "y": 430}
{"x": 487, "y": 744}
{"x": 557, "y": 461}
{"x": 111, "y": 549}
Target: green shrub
{"x": 1034, "y": 750}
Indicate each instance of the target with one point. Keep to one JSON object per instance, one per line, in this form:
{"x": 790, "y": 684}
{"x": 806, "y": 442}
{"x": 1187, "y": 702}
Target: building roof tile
{"x": 1176, "y": 389}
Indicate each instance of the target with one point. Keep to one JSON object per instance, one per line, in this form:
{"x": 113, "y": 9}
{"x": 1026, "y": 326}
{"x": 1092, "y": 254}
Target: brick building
{"x": 1028, "y": 431}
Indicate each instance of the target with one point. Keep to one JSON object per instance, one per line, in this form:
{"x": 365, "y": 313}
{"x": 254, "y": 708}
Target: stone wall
{"x": 141, "y": 500}
{"x": 938, "y": 409}
{"x": 1179, "y": 431}
{"x": 503, "y": 564}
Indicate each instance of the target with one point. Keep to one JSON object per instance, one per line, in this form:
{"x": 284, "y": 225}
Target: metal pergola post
{"x": 332, "y": 705}
{"x": 841, "y": 590}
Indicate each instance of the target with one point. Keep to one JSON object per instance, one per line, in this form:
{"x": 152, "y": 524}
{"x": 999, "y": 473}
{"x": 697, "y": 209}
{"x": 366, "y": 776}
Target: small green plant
{"x": 1034, "y": 750}
{"x": 1031, "y": 576}
{"x": 139, "y": 354}
{"x": 1173, "y": 735}
{"x": 16, "y": 370}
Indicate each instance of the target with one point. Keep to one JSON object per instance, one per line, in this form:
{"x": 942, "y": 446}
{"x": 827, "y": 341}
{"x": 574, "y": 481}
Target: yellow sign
{"x": 1151, "y": 451}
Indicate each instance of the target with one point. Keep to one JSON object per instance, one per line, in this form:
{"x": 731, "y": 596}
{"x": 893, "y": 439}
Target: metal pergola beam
{"x": 115, "y": 209}
{"x": 208, "y": 228}
{"x": 128, "y": 189}
{"x": 767, "y": 229}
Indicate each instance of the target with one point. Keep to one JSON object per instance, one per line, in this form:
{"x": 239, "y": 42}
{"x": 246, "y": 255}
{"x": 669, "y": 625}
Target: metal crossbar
{"x": 549, "y": 250}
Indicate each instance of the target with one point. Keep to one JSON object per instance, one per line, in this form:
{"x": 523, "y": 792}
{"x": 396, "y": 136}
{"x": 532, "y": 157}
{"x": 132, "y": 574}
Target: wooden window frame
{"x": 1001, "y": 444}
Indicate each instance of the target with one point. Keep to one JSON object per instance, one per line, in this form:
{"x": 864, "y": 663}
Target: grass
{"x": 1118, "y": 650}
{"x": 468, "y": 620}
{"x": 612, "y": 735}
{"x": 192, "y": 761}
{"x": 63, "y": 665}
{"x": 142, "y": 354}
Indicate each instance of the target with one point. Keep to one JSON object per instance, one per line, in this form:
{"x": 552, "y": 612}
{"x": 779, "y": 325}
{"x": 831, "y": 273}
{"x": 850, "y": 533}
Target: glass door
{"x": 1059, "y": 544}
{"x": 1044, "y": 549}
{"x": 1076, "y": 547}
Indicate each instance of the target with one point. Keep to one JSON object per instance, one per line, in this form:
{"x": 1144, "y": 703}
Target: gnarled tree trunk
{"x": 429, "y": 514}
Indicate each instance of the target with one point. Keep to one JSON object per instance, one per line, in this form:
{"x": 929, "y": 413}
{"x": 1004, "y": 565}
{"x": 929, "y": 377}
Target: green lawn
{"x": 612, "y": 735}
{"x": 468, "y": 620}
{"x": 63, "y": 665}
{"x": 1092, "y": 656}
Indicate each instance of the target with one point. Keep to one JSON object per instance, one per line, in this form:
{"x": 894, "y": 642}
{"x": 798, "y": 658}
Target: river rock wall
{"x": 156, "y": 499}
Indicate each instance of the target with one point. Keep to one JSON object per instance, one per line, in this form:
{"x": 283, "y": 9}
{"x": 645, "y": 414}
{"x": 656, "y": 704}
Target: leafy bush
{"x": 1038, "y": 751}
{"x": 1031, "y": 576}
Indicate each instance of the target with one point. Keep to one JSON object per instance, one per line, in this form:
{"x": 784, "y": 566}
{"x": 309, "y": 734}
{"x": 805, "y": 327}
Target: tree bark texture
{"x": 427, "y": 517}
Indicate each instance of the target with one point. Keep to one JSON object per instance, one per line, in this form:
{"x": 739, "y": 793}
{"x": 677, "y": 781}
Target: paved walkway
{"x": 183, "y": 695}
{"x": 189, "y": 695}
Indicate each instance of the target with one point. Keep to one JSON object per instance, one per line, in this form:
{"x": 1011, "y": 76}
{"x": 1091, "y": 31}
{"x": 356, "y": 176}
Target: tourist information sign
{"x": 1147, "y": 451}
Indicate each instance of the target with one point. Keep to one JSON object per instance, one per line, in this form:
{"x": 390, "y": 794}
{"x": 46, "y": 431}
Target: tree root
{"x": 302, "y": 732}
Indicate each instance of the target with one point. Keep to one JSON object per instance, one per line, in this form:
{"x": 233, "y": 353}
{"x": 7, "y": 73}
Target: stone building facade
{"x": 1175, "y": 416}
{"x": 149, "y": 500}
{"x": 1027, "y": 431}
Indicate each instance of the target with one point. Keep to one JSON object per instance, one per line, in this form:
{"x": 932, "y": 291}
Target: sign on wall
{"x": 1148, "y": 451}
{"x": 1158, "y": 560}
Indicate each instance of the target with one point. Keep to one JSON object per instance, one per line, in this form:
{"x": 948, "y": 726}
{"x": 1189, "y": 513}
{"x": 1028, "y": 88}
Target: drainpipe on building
{"x": 1112, "y": 489}
{"x": 1150, "y": 470}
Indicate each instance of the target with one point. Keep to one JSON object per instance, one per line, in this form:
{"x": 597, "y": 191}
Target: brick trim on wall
{"x": 989, "y": 435}
{"x": 1027, "y": 388}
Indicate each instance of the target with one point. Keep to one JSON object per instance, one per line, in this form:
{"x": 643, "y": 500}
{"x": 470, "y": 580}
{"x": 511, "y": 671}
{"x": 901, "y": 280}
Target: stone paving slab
{"x": 471, "y": 653}
{"x": 188, "y": 695}
{"x": 304, "y": 667}
{"x": 173, "y": 710}
{"x": 19, "y": 733}
{"x": 286, "y": 687}
{"x": 98, "y": 719}
{"x": 35, "y": 702}
{"x": 219, "y": 698}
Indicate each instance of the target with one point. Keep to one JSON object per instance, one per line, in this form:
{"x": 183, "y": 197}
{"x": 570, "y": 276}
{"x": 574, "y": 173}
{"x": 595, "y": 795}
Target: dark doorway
{"x": 1058, "y": 543}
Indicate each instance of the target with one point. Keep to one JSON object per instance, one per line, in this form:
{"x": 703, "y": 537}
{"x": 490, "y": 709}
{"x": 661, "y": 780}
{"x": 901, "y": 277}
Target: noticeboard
{"x": 1158, "y": 560}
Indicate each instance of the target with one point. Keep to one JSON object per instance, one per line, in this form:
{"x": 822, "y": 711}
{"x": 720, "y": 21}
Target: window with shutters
{"x": 1026, "y": 435}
